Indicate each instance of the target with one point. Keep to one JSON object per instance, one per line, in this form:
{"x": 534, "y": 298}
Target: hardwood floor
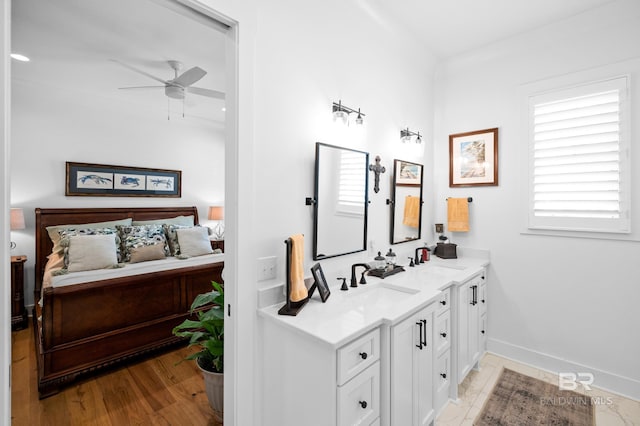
{"x": 154, "y": 391}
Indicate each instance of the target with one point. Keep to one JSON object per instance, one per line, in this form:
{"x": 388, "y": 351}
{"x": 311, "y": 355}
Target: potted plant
{"x": 207, "y": 332}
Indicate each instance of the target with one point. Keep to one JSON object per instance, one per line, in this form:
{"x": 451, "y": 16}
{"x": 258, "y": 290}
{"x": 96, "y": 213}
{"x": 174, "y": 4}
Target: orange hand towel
{"x": 458, "y": 214}
{"x": 411, "y": 211}
{"x": 298, "y": 291}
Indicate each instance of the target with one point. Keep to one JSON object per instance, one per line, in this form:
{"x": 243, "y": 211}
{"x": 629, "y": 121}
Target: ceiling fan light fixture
{"x": 174, "y": 92}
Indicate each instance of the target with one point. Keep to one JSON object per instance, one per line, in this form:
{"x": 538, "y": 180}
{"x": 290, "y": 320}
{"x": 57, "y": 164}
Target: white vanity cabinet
{"x": 471, "y": 332}
{"x": 411, "y": 368}
{"x": 307, "y": 382}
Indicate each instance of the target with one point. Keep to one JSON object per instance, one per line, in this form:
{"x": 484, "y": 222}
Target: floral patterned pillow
{"x": 65, "y": 235}
{"x": 143, "y": 235}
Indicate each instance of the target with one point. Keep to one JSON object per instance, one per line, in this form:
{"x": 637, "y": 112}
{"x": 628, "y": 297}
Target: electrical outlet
{"x": 267, "y": 268}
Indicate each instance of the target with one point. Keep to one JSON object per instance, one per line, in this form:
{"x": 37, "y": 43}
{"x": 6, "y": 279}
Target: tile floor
{"x": 613, "y": 411}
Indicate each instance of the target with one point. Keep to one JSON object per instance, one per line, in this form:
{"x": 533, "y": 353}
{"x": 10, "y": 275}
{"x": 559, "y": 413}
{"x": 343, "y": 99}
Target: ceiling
{"x": 451, "y": 27}
{"x": 72, "y": 42}
{"x": 72, "y": 45}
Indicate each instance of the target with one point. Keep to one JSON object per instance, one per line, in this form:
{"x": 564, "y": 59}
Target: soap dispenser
{"x": 391, "y": 258}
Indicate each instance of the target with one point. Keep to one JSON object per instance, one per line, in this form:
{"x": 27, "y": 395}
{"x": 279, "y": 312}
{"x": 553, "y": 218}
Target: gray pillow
{"x": 194, "y": 241}
{"x": 90, "y": 252}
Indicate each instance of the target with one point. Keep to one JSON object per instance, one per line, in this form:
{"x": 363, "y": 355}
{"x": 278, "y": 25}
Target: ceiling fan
{"x": 180, "y": 85}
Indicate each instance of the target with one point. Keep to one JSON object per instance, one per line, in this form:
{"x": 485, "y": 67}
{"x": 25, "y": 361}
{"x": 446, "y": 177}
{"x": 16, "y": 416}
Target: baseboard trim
{"x": 624, "y": 386}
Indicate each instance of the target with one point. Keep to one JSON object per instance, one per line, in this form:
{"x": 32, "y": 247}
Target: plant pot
{"x": 214, "y": 386}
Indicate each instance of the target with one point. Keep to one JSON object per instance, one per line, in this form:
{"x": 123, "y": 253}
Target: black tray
{"x": 383, "y": 273}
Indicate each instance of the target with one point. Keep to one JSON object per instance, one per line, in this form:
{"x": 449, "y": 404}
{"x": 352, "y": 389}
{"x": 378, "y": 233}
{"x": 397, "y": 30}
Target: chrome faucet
{"x": 353, "y": 274}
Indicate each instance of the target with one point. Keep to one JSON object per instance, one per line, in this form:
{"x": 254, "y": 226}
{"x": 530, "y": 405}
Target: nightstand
{"x": 217, "y": 244}
{"x": 18, "y": 312}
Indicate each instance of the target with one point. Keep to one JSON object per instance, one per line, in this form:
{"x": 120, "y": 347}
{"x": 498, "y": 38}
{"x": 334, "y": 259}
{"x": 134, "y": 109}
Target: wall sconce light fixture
{"x": 341, "y": 114}
{"x": 217, "y": 213}
{"x": 16, "y": 222}
{"x": 406, "y": 134}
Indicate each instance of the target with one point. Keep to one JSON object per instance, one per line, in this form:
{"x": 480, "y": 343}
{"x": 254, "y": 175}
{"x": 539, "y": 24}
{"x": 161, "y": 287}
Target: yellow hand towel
{"x": 411, "y": 211}
{"x": 458, "y": 214}
{"x": 298, "y": 291}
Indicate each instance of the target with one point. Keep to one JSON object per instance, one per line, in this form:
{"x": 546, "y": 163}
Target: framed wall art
{"x": 473, "y": 158}
{"x": 100, "y": 180}
{"x": 406, "y": 173}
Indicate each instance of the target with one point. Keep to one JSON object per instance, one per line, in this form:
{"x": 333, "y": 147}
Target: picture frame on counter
{"x": 320, "y": 283}
{"x": 473, "y": 158}
{"x": 100, "y": 180}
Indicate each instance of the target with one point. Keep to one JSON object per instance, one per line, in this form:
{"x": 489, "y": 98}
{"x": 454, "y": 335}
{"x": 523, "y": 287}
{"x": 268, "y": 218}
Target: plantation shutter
{"x": 351, "y": 184}
{"x": 578, "y": 158}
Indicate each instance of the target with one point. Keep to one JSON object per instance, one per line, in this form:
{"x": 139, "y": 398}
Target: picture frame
{"x": 320, "y": 283}
{"x": 473, "y": 158}
{"x": 100, "y": 180}
{"x": 407, "y": 173}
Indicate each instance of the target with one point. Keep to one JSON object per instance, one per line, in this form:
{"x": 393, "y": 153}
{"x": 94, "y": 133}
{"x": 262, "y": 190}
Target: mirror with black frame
{"x": 341, "y": 201}
{"x": 406, "y": 201}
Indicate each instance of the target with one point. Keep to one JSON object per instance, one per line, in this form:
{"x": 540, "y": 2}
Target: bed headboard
{"x": 49, "y": 217}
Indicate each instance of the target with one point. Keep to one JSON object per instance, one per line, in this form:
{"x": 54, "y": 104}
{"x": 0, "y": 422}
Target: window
{"x": 578, "y": 158}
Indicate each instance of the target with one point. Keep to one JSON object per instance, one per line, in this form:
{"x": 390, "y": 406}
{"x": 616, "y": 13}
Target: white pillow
{"x": 194, "y": 241}
{"x": 89, "y": 252}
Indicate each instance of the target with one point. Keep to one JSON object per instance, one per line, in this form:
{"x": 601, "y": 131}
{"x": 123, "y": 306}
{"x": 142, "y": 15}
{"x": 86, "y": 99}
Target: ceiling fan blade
{"x": 139, "y": 71}
{"x": 142, "y": 87}
{"x": 205, "y": 92}
{"x": 189, "y": 77}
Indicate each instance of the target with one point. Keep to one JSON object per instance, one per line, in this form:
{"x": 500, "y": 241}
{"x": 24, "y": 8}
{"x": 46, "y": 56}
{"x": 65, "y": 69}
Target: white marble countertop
{"x": 347, "y": 314}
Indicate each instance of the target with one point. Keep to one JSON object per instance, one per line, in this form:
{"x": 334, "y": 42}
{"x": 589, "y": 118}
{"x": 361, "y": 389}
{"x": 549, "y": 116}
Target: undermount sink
{"x": 449, "y": 266}
{"x": 379, "y": 295}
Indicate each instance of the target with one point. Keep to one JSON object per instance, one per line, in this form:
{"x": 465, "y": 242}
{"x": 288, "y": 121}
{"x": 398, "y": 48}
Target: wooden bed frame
{"x": 90, "y": 326}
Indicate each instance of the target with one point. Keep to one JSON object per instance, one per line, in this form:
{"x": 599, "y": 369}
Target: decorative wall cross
{"x": 377, "y": 169}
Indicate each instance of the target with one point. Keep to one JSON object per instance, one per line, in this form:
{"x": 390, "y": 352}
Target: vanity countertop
{"x": 347, "y": 314}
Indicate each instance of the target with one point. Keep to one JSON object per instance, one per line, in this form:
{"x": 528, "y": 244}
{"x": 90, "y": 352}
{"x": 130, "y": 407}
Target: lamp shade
{"x": 216, "y": 213}
{"x": 17, "y": 219}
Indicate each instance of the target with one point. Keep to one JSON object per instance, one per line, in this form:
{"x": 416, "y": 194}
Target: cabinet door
{"x": 464, "y": 361}
{"x": 474, "y": 325}
{"x": 424, "y": 371}
{"x": 404, "y": 338}
{"x": 412, "y": 370}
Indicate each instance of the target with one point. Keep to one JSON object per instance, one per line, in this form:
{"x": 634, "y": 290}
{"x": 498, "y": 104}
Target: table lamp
{"x": 17, "y": 222}
{"x": 217, "y": 213}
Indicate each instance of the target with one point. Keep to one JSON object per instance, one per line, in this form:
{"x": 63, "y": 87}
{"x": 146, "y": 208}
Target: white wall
{"x": 565, "y": 304}
{"x": 308, "y": 58}
{"x": 52, "y": 125}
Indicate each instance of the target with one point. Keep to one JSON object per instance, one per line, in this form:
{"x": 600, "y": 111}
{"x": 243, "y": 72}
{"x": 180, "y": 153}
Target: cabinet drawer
{"x": 442, "y": 378}
{"x": 359, "y": 399}
{"x": 444, "y": 302}
{"x": 358, "y": 355}
{"x": 442, "y": 332}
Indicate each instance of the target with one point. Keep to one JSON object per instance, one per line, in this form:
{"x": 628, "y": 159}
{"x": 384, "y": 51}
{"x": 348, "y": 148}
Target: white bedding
{"x": 130, "y": 269}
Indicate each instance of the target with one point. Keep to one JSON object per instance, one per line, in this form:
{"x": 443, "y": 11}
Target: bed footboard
{"x": 88, "y": 327}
